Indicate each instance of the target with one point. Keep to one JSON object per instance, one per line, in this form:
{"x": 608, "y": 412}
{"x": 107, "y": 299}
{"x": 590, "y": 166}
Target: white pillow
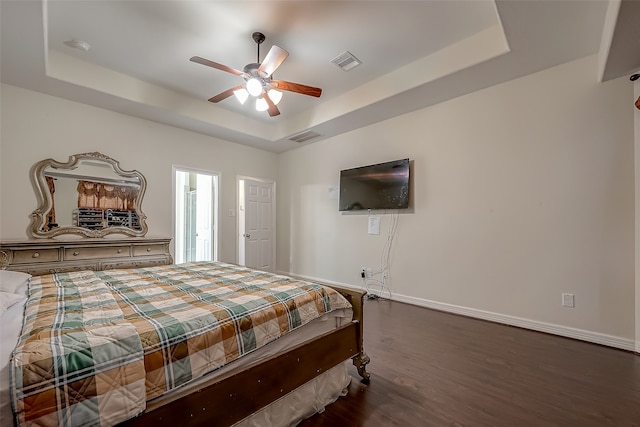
{"x": 12, "y": 280}
{"x": 8, "y": 299}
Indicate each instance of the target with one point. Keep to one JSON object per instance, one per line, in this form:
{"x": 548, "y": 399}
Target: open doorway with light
{"x": 195, "y": 215}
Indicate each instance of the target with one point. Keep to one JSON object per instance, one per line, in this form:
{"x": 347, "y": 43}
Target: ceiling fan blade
{"x": 216, "y": 65}
{"x": 273, "y": 110}
{"x": 274, "y": 58}
{"x": 224, "y": 95}
{"x": 296, "y": 87}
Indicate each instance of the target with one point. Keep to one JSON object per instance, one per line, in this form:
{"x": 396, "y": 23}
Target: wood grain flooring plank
{"x": 430, "y": 368}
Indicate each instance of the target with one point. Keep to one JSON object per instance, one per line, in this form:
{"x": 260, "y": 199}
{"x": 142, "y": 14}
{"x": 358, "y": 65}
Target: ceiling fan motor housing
{"x": 251, "y": 71}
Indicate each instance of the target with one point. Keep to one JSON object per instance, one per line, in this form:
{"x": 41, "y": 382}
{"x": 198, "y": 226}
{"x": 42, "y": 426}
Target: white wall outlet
{"x": 368, "y": 272}
{"x": 568, "y": 300}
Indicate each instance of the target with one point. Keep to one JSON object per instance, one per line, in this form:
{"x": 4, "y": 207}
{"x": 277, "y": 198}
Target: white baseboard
{"x": 564, "y": 331}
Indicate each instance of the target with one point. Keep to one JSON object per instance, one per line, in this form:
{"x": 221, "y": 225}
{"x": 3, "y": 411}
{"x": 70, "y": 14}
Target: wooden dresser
{"x": 43, "y": 256}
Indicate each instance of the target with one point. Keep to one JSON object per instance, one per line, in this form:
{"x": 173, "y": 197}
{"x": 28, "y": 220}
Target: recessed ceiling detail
{"x": 415, "y": 54}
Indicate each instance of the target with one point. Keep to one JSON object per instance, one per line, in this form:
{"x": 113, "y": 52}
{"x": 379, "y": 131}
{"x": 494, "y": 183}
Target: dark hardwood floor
{"x": 430, "y": 368}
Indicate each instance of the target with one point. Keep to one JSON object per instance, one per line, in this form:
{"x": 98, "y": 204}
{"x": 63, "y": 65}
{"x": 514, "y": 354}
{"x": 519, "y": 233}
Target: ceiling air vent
{"x": 346, "y": 61}
{"x": 304, "y": 136}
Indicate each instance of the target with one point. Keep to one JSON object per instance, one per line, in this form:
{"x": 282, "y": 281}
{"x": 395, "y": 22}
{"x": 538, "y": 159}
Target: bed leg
{"x": 360, "y": 362}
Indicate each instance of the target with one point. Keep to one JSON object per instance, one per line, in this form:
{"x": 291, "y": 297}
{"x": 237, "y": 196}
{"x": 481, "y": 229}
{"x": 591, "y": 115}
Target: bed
{"x": 156, "y": 359}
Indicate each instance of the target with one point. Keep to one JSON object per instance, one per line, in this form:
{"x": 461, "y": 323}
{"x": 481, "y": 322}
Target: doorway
{"x": 196, "y": 215}
{"x": 256, "y": 224}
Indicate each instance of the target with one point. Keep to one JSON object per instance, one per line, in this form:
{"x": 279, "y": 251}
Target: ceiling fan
{"x": 259, "y": 81}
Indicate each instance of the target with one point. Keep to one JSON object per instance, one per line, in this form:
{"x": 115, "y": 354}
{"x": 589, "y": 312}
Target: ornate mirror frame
{"x": 45, "y": 200}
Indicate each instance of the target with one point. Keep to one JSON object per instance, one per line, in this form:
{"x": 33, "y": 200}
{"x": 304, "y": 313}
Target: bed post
{"x": 356, "y": 298}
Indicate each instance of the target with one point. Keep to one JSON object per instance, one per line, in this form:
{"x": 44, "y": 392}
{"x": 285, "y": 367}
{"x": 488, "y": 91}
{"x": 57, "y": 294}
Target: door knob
{"x": 247, "y": 235}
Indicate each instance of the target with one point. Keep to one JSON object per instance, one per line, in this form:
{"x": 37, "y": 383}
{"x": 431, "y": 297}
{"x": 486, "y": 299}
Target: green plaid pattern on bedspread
{"x": 96, "y": 346}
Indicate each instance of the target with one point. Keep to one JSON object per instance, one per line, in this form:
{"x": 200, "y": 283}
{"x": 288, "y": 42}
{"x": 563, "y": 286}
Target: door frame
{"x": 215, "y": 211}
{"x": 240, "y": 178}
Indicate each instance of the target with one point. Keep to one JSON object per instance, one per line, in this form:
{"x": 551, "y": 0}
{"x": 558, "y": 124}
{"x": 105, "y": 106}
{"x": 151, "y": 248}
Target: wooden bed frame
{"x": 237, "y": 396}
{"x": 224, "y": 400}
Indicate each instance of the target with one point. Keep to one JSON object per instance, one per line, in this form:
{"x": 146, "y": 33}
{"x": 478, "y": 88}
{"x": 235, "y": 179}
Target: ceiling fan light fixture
{"x": 241, "y": 94}
{"x": 275, "y": 96}
{"x": 261, "y": 104}
{"x": 258, "y": 80}
{"x": 254, "y": 86}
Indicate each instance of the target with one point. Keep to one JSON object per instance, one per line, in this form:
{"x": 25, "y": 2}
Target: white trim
{"x": 564, "y": 331}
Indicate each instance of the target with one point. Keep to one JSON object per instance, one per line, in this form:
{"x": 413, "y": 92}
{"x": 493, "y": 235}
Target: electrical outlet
{"x": 568, "y": 300}
{"x": 368, "y": 272}
{"x": 363, "y": 272}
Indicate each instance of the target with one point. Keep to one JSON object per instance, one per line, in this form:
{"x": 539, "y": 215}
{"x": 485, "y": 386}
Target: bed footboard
{"x": 230, "y": 399}
{"x": 356, "y": 298}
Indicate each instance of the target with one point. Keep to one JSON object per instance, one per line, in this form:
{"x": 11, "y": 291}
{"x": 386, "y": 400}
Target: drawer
{"x": 96, "y": 253}
{"x": 29, "y": 256}
{"x": 150, "y": 249}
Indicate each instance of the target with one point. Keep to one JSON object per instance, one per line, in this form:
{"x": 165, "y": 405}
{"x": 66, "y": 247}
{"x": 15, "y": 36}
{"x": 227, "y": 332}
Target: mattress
{"x": 12, "y": 321}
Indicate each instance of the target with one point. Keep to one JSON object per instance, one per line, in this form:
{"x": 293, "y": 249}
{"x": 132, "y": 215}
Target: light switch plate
{"x": 374, "y": 224}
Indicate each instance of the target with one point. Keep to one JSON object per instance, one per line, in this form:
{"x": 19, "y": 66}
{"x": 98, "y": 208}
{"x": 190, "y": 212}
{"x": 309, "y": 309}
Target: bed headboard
{"x": 45, "y": 256}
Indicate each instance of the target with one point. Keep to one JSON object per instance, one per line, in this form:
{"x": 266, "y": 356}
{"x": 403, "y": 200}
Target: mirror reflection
{"x": 90, "y": 195}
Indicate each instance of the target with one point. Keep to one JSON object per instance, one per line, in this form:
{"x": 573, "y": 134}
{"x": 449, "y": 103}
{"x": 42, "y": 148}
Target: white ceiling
{"x": 414, "y": 54}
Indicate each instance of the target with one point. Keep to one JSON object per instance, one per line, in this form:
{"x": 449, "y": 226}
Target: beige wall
{"x": 521, "y": 192}
{"x": 37, "y": 126}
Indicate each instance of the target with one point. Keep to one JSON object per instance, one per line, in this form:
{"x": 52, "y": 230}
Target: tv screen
{"x": 380, "y": 186}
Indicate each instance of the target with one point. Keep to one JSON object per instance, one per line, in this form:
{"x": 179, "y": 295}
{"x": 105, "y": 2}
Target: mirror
{"x": 88, "y": 196}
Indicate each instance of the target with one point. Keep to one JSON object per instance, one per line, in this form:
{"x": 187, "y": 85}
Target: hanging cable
{"x": 381, "y": 284}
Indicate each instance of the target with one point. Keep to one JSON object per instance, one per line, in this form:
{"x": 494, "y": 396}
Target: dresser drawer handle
{"x": 148, "y": 249}
{"x": 76, "y": 253}
{"x": 35, "y": 255}
{"x": 119, "y": 251}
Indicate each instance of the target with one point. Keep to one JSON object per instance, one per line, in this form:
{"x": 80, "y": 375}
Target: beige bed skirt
{"x": 309, "y": 399}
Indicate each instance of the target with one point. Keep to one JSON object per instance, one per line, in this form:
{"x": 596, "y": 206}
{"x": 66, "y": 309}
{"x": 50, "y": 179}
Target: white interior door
{"x": 258, "y": 232}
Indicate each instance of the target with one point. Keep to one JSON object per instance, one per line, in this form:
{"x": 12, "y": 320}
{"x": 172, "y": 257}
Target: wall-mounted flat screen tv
{"x": 379, "y": 186}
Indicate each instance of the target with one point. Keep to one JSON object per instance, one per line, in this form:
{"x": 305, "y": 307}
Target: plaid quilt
{"x": 96, "y": 346}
